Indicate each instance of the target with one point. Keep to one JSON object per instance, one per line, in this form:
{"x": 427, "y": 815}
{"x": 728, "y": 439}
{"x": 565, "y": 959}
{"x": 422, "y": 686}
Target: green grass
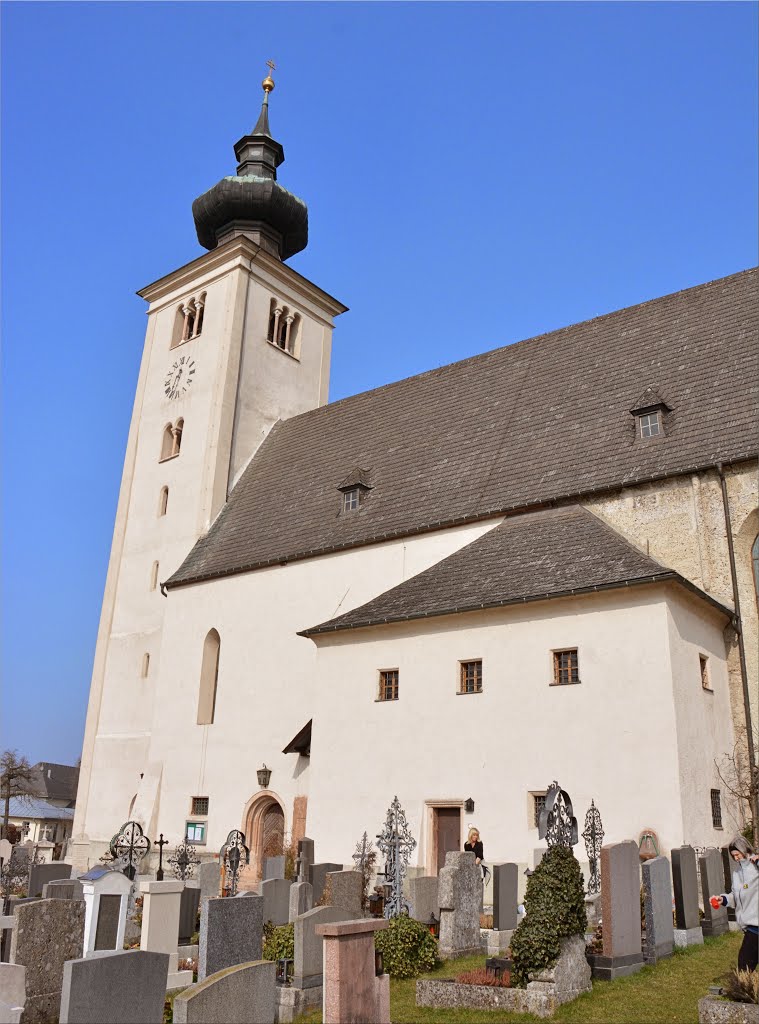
{"x": 665, "y": 994}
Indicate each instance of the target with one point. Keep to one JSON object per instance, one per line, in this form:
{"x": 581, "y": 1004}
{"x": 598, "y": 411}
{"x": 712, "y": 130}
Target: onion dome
{"x": 252, "y": 202}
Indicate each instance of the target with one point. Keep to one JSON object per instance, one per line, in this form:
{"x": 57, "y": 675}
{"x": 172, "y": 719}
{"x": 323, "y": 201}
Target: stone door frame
{"x": 253, "y": 826}
{"x": 430, "y": 830}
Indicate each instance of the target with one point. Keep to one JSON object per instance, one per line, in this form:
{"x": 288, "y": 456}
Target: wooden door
{"x": 448, "y": 831}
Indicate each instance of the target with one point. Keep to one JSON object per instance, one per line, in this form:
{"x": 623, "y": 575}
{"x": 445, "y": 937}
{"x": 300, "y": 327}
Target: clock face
{"x": 179, "y": 377}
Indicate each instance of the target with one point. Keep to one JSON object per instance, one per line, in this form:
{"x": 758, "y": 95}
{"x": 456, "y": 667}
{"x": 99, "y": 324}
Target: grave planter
{"x": 718, "y": 1010}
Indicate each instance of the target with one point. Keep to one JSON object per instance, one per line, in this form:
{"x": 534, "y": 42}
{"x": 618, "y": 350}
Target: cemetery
{"x": 150, "y": 937}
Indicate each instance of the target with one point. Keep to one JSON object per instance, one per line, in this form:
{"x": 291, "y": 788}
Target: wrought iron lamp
{"x": 284, "y": 971}
{"x": 469, "y": 806}
{"x": 264, "y": 776}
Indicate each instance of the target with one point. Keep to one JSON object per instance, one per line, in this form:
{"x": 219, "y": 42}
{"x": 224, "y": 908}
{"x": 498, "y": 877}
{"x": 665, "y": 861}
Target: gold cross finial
{"x": 268, "y": 82}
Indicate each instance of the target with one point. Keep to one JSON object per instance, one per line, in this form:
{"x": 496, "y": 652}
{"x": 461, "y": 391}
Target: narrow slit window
{"x": 716, "y": 809}
{"x": 167, "y": 443}
{"x": 565, "y": 668}
{"x": 145, "y": 665}
{"x": 388, "y": 685}
{"x": 209, "y": 678}
{"x": 703, "y": 662}
{"x": 154, "y": 576}
{"x": 471, "y": 677}
{"x": 163, "y": 501}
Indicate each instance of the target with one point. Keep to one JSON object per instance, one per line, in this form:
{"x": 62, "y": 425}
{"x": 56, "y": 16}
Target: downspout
{"x": 738, "y": 626}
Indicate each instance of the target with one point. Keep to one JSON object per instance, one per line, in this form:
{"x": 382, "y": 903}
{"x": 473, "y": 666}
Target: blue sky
{"x": 475, "y": 174}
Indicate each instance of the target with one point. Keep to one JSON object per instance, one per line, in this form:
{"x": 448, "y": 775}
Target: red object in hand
{"x": 716, "y": 902}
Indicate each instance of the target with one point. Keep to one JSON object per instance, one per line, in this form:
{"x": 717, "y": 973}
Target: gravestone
{"x": 47, "y": 934}
{"x": 127, "y": 986}
{"x": 39, "y": 874}
{"x": 274, "y": 867}
{"x": 460, "y": 896}
{"x": 620, "y": 903}
{"x": 308, "y": 967}
{"x": 657, "y": 909}
{"x": 160, "y": 926}
{"x": 505, "y": 901}
{"x": 63, "y": 889}
{"x": 423, "y": 898}
{"x": 712, "y": 877}
{"x": 245, "y": 994}
{"x": 209, "y": 876}
{"x": 106, "y": 893}
{"x": 188, "y": 912}
{"x": 230, "y": 933}
{"x": 685, "y": 883}
{"x": 301, "y": 899}
{"x": 352, "y": 989}
{"x": 12, "y": 993}
{"x": 319, "y": 874}
{"x": 305, "y": 860}
{"x": 727, "y": 870}
{"x": 276, "y": 897}
{"x": 345, "y": 890}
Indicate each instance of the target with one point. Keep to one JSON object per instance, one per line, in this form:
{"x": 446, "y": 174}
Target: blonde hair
{"x": 473, "y": 830}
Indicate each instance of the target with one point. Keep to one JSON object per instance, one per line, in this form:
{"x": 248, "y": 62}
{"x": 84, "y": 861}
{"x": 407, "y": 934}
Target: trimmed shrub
{"x": 407, "y": 948}
{"x": 555, "y": 906}
{"x": 279, "y": 942}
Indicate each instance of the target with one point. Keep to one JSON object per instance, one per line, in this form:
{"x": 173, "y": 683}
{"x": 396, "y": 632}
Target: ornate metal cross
{"x": 557, "y": 825}
{"x": 184, "y": 860}
{"x": 364, "y": 848}
{"x": 395, "y": 843}
{"x": 160, "y": 843}
{"x": 593, "y": 834}
{"x": 232, "y": 855}
{"x": 128, "y": 847}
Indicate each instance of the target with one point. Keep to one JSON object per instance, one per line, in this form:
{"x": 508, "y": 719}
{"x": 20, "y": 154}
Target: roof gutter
{"x": 737, "y": 623}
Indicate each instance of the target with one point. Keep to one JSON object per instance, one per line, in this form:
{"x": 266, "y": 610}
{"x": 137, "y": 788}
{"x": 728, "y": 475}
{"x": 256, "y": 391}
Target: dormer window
{"x": 649, "y": 412}
{"x": 351, "y": 499}
{"x": 355, "y": 487}
{"x": 649, "y": 424}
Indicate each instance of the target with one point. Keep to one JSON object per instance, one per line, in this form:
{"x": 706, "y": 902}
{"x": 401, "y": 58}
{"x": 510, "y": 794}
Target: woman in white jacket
{"x": 744, "y": 899}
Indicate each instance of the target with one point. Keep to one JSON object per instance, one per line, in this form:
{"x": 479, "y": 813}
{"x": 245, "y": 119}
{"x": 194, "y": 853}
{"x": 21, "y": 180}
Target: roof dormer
{"x": 354, "y": 489}
{"x": 650, "y": 411}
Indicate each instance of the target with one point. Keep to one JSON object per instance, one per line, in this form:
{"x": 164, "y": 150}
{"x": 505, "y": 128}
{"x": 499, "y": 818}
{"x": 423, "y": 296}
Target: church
{"x": 562, "y": 532}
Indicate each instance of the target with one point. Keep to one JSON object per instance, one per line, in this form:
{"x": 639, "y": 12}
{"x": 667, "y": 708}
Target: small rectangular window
{"x": 538, "y": 803}
{"x": 565, "y": 668}
{"x": 471, "y": 677}
{"x": 704, "y": 665}
{"x": 388, "y": 684}
{"x": 200, "y": 805}
{"x": 716, "y": 809}
{"x": 195, "y": 831}
{"x": 650, "y": 424}
{"x": 351, "y": 500}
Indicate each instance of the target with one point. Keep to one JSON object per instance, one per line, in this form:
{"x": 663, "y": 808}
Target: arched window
{"x": 154, "y": 576}
{"x": 755, "y": 560}
{"x": 177, "y": 436}
{"x": 200, "y": 305}
{"x": 145, "y": 665}
{"x": 209, "y": 677}
{"x": 167, "y": 443}
{"x": 177, "y": 334}
{"x": 163, "y": 501}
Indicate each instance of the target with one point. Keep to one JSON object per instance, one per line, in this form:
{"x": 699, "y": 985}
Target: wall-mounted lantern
{"x": 264, "y": 775}
{"x": 284, "y": 971}
{"x": 469, "y": 806}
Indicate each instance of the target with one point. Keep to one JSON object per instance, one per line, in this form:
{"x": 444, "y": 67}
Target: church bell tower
{"x": 236, "y": 340}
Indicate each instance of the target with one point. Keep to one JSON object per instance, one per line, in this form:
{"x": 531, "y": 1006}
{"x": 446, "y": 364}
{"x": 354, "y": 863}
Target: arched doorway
{"x": 264, "y": 830}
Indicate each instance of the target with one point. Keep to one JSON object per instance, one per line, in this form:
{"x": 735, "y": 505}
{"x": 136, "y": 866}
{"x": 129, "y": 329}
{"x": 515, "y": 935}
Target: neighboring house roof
{"x": 544, "y": 420}
{"x": 33, "y": 810}
{"x": 531, "y": 557}
{"x": 56, "y": 781}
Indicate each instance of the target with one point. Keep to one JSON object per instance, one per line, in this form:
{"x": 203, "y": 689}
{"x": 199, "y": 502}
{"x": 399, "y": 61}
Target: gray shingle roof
{"x": 529, "y": 557}
{"x": 547, "y": 419}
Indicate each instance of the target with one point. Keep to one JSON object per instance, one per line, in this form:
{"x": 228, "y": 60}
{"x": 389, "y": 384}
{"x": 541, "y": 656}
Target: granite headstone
{"x": 39, "y": 874}
{"x": 319, "y": 874}
{"x": 47, "y": 934}
{"x": 301, "y": 899}
{"x": 657, "y": 909}
{"x": 460, "y": 896}
{"x": 423, "y": 898}
{"x": 231, "y": 933}
{"x": 345, "y": 891}
{"x": 274, "y": 867}
{"x": 126, "y": 986}
{"x": 308, "y": 967}
{"x": 620, "y": 902}
{"x": 505, "y": 901}
{"x": 245, "y": 994}
{"x": 276, "y": 896}
{"x": 712, "y": 877}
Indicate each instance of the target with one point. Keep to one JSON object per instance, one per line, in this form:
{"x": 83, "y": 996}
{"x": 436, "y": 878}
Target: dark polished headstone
{"x": 188, "y": 913}
{"x": 710, "y": 869}
{"x": 727, "y": 868}
{"x": 108, "y": 922}
{"x": 620, "y": 901}
{"x": 685, "y": 880}
{"x": 505, "y": 901}
{"x": 657, "y": 909}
